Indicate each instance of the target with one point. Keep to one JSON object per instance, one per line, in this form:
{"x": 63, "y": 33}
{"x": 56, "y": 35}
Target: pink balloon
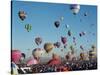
{"x": 32, "y": 61}
{"x": 15, "y": 56}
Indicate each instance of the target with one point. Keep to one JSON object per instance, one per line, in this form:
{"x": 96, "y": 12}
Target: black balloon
{"x": 57, "y": 24}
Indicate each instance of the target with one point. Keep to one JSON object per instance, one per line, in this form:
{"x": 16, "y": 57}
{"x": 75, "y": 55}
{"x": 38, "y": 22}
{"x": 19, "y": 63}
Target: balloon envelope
{"x": 48, "y": 47}
{"x": 57, "y": 24}
{"x": 75, "y": 8}
{"x": 38, "y": 40}
{"x": 57, "y": 44}
{"x": 55, "y": 60}
{"x": 32, "y": 61}
{"x": 37, "y": 52}
{"x": 28, "y": 27}
{"x": 64, "y": 40}
{"x": 22, "y": 15}
{"x": 69, "y": 33}
{"x": 15, "y": 56}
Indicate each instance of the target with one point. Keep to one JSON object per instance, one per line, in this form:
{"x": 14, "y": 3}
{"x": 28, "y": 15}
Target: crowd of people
{"x": 63, "y": 67}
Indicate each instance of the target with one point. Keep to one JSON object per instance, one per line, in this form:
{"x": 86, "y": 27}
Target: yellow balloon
{"x": 48, "y": 47}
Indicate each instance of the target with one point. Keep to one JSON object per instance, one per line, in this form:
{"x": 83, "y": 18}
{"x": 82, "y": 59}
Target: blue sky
{"x": 42, "y": 17}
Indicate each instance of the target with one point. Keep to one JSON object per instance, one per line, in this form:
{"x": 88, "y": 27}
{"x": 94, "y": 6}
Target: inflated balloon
{"x": 85, "y": 14}
{"x": 48, "y": 47}
{"x": 64, "y": 40}
{"x": 28, "y": 27}
{"x": 67, "y": 26}
{"x": 38, "y": 40}
{"x": 82, "y": 56}
{"x": 81, "y": 47}
{"x": 55, "y": 60}
{"x": 15, "y": 56}
{"x": 37, "y": 52}
{"x": 92, "y": 53}
{"x": 62, "y": 18}
{"x": 83, "y": 33}
{"x": 57, "y": 44}
{"x": 80, "y": 34}
{"x": 57, "y": 24}
{"x": 69, "y": 33}
{"x": 22, "y": 15}
{"x": 93, "y": 47}
{"x": 75, "y": 8}
{"x": 71, "y": 48}
{"x": 31, "y": 62}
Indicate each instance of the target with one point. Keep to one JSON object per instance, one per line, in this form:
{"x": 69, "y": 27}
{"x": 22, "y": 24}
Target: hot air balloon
{"x": 67, "y": 26}
{"x": 83, "y": 33}
{"x": 57, "y": 24}
{"x": 62, "y": 18}
{"x": 22, "y": 15}
{"x": 92, "y": 54}
{"x": 71, "y": 47}
{"x": 55, "y": 60}
{"x": 48, "y": 47}
{"x": 37, "y": 52}
{"x": 75, "y": 8}
{"x": 81, "y": 47}
{"x": 64, "y": 40}
{"x": 85, "y": 14}
{"x": 15, "y": 56}
{"x": 93, "y": 47}
{"x": 57, "y": 44}
{"x": 38, "y": 40}
{"x": 80, "y": 34}
{"x": 69, "y": 33}
{"x": 32, "y": 61}
{"x": 82, "y": 56}
{"x": 28, "y": 27}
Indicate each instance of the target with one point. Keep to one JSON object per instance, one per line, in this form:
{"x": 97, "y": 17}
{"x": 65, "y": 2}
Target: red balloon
{"x": 54, "y": 62}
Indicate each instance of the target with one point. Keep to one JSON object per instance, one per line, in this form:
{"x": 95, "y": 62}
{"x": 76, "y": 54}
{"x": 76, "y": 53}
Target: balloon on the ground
{"x": 15, "y": 56}
{"x": 31, "y": 62}
{"x": 37, "y": 52}
{"x": 55, "y": 60}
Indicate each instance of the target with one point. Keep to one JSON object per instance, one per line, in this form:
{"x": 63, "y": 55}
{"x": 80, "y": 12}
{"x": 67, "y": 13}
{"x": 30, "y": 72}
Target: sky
{"x": 42, "y": 17}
